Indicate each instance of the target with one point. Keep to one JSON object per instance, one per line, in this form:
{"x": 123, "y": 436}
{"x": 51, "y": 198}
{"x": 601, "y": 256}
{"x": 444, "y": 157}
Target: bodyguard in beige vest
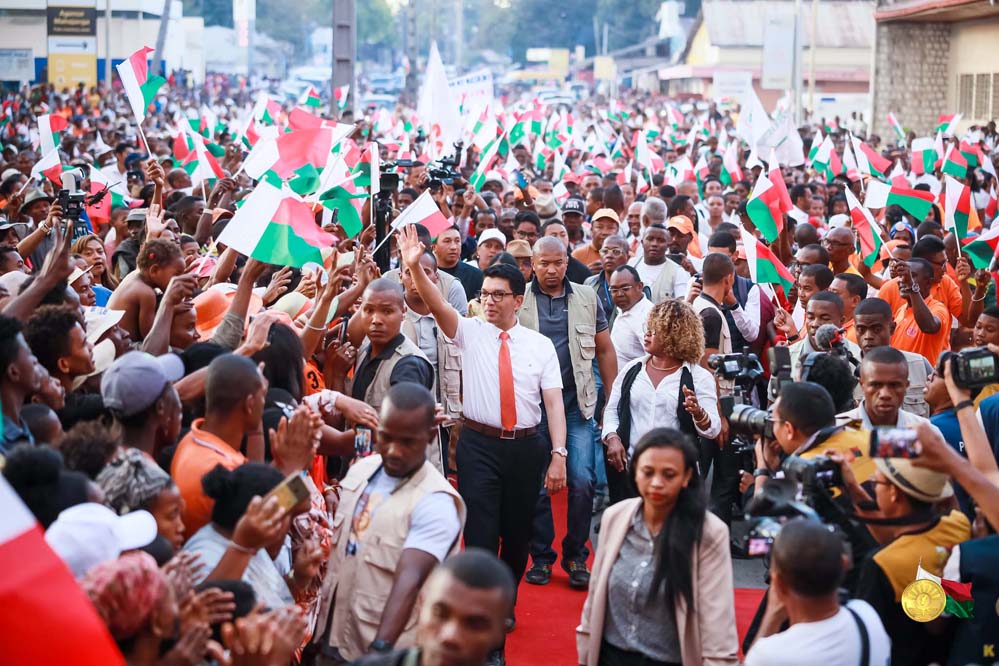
{"x": 385, "y": 356}
{"x": 572, "y": 318}
{"x": 397, "y": 519}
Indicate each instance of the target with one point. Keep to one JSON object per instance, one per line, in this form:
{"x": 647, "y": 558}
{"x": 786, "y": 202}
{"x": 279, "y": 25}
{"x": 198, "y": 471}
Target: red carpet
{"x": 547, "y": 616}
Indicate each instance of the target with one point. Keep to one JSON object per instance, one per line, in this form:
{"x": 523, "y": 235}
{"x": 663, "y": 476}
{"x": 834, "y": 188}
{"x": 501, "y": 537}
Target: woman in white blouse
{"x": 666, "y": 388}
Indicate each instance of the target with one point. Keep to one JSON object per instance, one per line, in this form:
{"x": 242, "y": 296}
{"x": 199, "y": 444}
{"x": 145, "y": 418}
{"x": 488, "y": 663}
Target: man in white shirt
{"x": 628, "y": 331}
{"x": 807, "y": 566}
{"x": 500, "y": 452}
{"x": 801, "y": 197}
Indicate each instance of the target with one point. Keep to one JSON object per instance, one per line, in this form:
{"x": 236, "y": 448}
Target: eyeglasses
{"x": 611, "y": 252}
{"x": 494, "y": 296}
{"x": 624, "y": 287}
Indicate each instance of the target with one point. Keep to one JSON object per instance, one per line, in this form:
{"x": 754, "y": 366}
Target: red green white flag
{"x": 896, "y": 126}
{"x": 764, "y": 208}
{"x": 915, "y": 202}
{"x": 867, "y": 230}
{"x": 981, "y": 250}
{"x": 50, "y": 166}
{"x": 340, "y": 95}
{"x": 924, "y": 155}
{"x": 823, "y": 155}
{"x": 291, "y": 150}
{"x": 993, "y": 206}
{"x": 947, "y": 123}
{"x": 959, "y": 601}
{"x": 276, "y": 227}
{"x": 731, "y": 172}
{"x": 140, "y": 87}
{"x": 869, "y": 160}
{"x": 764, "y": 266}
{"x": 423, "y": 211}
{"x": 50, "y": 129}
{"x": 958, "y": 207}
{"x": 310, "y": 98}
{"x": 777, "y": 178}
{"x": 955, "y": 164}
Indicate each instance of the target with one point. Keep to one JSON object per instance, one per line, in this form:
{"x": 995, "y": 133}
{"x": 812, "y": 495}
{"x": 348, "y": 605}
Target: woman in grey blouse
{"x": 661, "y": 590}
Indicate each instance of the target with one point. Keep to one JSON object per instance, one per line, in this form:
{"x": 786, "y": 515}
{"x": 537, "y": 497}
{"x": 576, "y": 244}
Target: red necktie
{"x": 508, "y": 399}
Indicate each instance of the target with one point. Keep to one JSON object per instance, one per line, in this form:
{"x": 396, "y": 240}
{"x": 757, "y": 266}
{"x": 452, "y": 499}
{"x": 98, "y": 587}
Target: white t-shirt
{"x": 832, "y": 642}
{"x": 433, "y": 525}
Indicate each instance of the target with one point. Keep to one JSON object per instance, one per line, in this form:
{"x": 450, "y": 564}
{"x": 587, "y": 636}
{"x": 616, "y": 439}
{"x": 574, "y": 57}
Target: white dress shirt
{"x": 628, "y": 332}
{"x": 535, "y": 369}
{"x": 655, "y": 406}
{"x": 748, "y": 318}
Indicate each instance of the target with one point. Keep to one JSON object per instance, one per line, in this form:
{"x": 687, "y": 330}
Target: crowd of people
{"x": 245, "y": 463}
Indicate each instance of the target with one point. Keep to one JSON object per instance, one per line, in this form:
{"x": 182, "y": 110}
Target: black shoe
{"x": 539, "y": 574}
{"x": 496, "y": 658}
{"x": 579, "y": 575}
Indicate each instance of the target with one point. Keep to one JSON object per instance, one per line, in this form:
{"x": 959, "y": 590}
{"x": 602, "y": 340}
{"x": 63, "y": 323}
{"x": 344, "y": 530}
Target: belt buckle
{"x": 508, "y": 434}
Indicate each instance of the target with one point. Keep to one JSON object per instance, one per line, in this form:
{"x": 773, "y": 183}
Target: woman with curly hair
{"x": 91, "y": 248}
{"x": 664, "y": 388}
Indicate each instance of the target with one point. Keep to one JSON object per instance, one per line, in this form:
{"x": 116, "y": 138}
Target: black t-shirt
{"x": 407, "y": 369}
{"x": 577, "y": 271}
{"x": 712, "y": 328}
{"x": 470, "y": 276}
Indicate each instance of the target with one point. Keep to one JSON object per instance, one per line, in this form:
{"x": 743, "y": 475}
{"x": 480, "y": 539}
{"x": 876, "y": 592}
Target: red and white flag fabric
{"x": 776, "y": 177}
{"x": 423, "y": 211}
{"x": 868, "y": 231}
{"x": 140, "y": 87}
{"x": 45, "y": 615}
{"x": 49, "y": 167}
{"x": 50, "y": 129}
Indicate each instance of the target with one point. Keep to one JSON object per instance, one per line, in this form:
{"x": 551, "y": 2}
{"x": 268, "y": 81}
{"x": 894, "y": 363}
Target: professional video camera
{"x": 803, "y": 492}
{"x": 445, "y": 170}
{"x": 72, "y": 198}
{"x": 974, "y": 368}
{"x": 746, "y": 372}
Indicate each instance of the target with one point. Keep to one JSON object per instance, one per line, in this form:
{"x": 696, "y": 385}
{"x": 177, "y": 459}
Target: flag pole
{"x": 26, "y": 183}
{"x": 384, "y": 240}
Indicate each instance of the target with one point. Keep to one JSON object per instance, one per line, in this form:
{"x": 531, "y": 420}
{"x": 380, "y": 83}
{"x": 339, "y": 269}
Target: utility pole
{"x": 796, "y": 68}
{"x": 812, "y": 46}
{"x": 161, "y": 37}
{"x": 459, "y": 34}
{"x": 108, "y": 76}
{"x": 344, "y": 48}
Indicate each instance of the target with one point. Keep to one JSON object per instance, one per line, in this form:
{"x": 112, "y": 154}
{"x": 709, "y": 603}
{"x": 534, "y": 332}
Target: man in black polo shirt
{"x": 447, "y": 249}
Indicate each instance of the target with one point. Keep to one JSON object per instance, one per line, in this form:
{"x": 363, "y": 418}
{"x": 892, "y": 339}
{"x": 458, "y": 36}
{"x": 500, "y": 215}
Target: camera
{"x": 780, "y": 369}
{"x": 72, "y": 198}
{"x": 445, "y": 170}
{"x": 742, "y": 368}
{"x": 812, "y": 473}
{"x": 746, "y": 419}
{"x": 974, "y": 368}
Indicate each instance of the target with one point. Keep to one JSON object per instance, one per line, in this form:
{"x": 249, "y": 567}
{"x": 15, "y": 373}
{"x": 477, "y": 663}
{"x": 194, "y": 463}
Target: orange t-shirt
{"x": 586, "y": 254}
{"x": 946, "y": 291}
{"x": 314, "y": 382}
{"x": 850, "y": 332}
{"x": 908, "y": 337}
{"x": 198, "y": 453}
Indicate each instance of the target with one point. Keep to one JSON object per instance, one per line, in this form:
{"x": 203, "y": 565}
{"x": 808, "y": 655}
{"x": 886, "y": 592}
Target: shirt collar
{"x": 566, "y": 288}
{"x": 390, "y": 348}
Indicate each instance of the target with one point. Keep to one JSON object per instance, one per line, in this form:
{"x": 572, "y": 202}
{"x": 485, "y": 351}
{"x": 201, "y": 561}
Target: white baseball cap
{"x": 87, "y": 534}
{"x": 492, "y": 234}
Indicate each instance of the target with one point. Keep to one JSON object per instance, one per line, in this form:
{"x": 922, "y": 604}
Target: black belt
{"x": 490, "y": 431}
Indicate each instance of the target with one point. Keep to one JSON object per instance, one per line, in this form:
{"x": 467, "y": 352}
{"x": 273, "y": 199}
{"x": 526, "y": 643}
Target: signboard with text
{"x": 72, "y": 43}
{"x": 17, "y": 65}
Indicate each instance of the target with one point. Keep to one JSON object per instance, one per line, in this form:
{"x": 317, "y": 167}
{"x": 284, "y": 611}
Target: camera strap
{"x": 865, "y": 639}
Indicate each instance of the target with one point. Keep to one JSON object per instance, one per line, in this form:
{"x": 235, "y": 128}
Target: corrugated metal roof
{"x": 740, "y": 23}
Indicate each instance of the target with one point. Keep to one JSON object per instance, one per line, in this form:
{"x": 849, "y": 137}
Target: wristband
{"x": 793, "y": 338}
{"x": 964, "y": 403}
{"x": 761, "y": 472}
{"x": 242, "y": 549}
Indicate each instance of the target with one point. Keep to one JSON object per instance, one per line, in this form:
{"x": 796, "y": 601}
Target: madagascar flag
{"x": 764, "y": 266}
{"x": 955, "y": 164}
{"x": 915, "y": 202}
{"x": 958, "y": 209}
{"x": 764, "y": 208}
{"x": 981, "y": 249}
{"x": 276, "y": 229}
{"x": 867, "y": 230}
{"x": 46, "y": 617}
{"x": 959, "y": 601}
{"x": 924, "y": 156}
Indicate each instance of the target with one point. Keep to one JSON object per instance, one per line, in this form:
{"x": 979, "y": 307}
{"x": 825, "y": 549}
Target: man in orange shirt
{"x": 922, "y": 325}
{"x": 235, "y": 392}
{"x": 605, "y": 223}
{"x": 956, "y": 298}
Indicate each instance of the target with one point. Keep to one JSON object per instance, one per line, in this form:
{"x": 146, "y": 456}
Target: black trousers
{"x": 619, "y": 484}
{"x": 500, "y": 479}
{"x": 615, "y": 656}
{"x": 725, "y": 482}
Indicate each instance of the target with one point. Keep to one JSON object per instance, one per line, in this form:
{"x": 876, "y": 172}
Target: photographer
{"x": 911, "y": 532}
{"x": 806, "y": 570}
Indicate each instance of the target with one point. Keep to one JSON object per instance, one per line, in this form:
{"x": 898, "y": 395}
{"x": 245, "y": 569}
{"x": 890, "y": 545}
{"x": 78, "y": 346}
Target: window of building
{"x": 995, "y": 96}
{"x": 983, "y": 95}
{"x": 965, "y": 93}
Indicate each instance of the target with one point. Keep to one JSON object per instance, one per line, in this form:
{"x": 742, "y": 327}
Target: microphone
{"x": 827, "y": 336}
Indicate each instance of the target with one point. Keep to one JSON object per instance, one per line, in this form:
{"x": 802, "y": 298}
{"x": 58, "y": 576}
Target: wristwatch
{"x": 562, "y": 451}
{"x": 380, "y": 645}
